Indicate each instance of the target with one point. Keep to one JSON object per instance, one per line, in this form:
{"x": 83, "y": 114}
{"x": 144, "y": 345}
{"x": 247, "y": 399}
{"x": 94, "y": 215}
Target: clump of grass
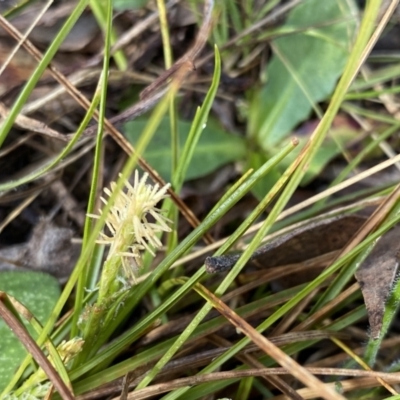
{"x": 112, "y": 290}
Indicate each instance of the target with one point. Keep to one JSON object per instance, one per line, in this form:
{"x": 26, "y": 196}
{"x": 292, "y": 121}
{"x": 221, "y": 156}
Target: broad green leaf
{"x": 39, "y": 293}
{"x": 304, "y": 68}
{"x": 214, "y": 149}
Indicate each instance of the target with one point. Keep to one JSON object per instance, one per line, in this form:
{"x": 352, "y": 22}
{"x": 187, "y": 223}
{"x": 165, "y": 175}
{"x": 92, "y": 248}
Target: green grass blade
{"x": 36, "y": 75}
{"x": 227, "y": 281}
{"x": 197, "y": 127}
{"x": 88, "y": 273}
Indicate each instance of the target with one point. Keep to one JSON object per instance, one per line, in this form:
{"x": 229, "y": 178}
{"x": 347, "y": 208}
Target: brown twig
{"x": 33, "y": 125}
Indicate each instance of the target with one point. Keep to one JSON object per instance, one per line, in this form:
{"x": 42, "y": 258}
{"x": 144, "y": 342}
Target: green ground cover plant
{"x": 187, "y": 139}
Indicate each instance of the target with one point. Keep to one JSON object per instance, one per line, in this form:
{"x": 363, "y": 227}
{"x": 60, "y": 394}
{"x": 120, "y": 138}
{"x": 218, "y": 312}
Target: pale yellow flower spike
{"x": 127, "y": 221}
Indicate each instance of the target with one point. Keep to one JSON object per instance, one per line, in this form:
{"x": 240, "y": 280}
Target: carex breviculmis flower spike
{"x": 130, "y": 231}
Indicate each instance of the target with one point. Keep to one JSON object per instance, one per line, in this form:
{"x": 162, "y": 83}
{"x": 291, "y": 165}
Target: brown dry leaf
{"x": 18, "y": 70}
{"x": 376, "y": 276}
{"x": 49, "y": 250}
{"x": 83, "y": 32}
{"x": 299, "y": 245}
